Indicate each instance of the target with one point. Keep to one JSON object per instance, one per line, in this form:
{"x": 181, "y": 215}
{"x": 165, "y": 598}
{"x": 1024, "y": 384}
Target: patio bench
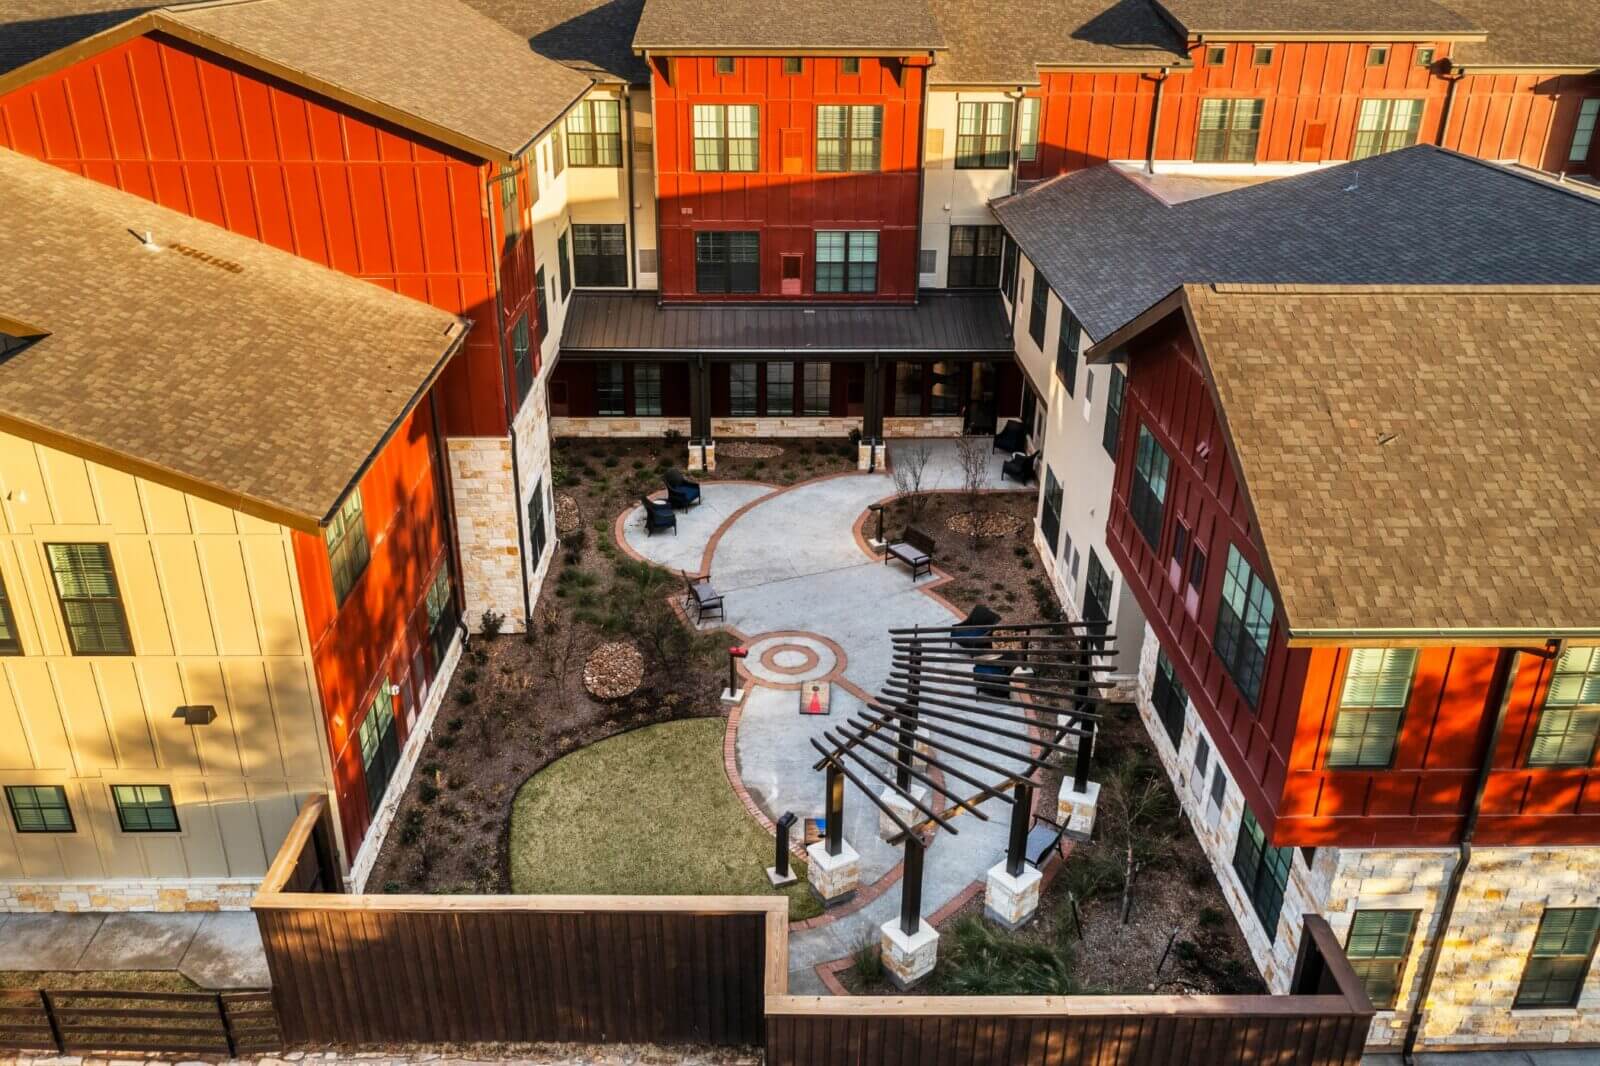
{"x": 915, "y": 549}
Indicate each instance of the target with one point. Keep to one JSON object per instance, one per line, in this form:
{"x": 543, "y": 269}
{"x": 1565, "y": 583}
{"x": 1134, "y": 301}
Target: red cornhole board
{"x": 814, "y": 697}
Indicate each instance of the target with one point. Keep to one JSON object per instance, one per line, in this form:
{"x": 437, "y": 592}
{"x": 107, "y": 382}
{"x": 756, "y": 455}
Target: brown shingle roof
{"x": 1318, "y": 17}
{"x": 243, "y": 373}
{"x": 592, "y": 36}
{"x": 32, "y": 29}
{"x": 1532, "y": 33}
{"x": 1418, "y": 458}
{"x": 882, "y": 25}
{"x": 985, "y": 50}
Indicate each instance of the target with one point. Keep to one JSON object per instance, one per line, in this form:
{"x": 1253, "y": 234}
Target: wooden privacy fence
{"x": 118, "y": 1021}
{"x": 677, "y": 969}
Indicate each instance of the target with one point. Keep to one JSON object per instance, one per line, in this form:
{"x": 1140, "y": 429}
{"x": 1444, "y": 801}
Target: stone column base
{"x": 1075, "y": 810}
{"x": 833, "y": 878}
{"x": 908, "y": 814}
{"x": 870, "y": 456}
{"x": 1011, "y": 902}
{"x": 710, "y": 457}
{"x": 908, "y": 959}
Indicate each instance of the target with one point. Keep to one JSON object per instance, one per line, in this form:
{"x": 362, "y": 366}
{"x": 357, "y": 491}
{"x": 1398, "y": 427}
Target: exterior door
{"x": 1097, "y": 595}
{"x": 981, "y": 408}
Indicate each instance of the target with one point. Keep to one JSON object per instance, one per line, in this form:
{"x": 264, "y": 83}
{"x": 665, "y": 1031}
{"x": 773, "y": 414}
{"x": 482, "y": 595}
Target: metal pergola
{"x": 988, "y": 706}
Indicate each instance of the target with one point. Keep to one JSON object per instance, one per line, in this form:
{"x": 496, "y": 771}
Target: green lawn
{"x": 649, "y": 812}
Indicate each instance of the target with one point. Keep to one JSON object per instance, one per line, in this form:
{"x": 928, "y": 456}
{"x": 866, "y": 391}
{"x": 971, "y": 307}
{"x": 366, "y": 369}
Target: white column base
{"x": 1011, "y": 902}
{"x": 1075, "y": 810}
{"x": 908, "y": 814}
{"x": 733, "y": 695}
{"x": 866, "y": 459}
{"x": 710, "y": 463}
{"x": 908, "y": 959}
{"x": 782, "y": 880}
{"x": 833, "y": 878}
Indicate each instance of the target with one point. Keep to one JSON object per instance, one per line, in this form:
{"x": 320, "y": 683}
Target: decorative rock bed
{"x": 613, "y": 670}
{"x": 568, "y": 518}
{"x": 983, "y": 524}
{"x": 743, "y": 449}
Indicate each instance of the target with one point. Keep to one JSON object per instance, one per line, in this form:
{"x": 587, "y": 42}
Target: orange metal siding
{"x": 1527, "y": 118}
{"x": 1087, "y": 119}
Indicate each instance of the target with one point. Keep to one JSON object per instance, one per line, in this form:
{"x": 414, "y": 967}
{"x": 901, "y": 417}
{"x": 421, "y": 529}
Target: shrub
{"x": 454, "y": 725}
{"x": 427, "y": 791}
{"x": 671, "y": 437}
{"x": 1211, "y": 918}
{"x": 982, "y": 961}
{"x": 559, "y": 474}
{"x": 611, "y": 461}
{"x": 393, "y": 888}
{"x": 491, "y": 623}
{"x": 467, "y": 697}
{"x": 470, "y": 675}
{"x": 411, "y": 828}
{"x": 866, "y": 960}
{"x": 1090, "y": 874}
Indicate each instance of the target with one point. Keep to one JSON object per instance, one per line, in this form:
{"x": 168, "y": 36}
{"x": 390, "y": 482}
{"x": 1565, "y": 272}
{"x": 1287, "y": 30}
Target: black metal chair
{"x": 699, "y": 593}
{"x": 681, "y": 492}
{"x": 1011, "y": 438}
{"x": 658, "y": 515}
{"x": 1022, "y": 467}
{"x": 972, "y": 632}
{"x": 1044, "y": 837}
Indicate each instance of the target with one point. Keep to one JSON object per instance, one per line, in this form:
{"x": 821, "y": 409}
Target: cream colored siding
{"x": 952, "y": 196}
{"x": 213, "y": 609}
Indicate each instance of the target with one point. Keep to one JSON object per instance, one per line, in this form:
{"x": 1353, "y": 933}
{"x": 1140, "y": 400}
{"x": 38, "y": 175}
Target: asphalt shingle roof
{"x": 32, "y": 29}
{"x": 1549, "y": 33}
{"x": 238, "y": 368}
{"x": 591, "y": 36}
{"x": 985, "y": 50}
{"x": 881, "y": 24}
{"x": 1421, "y": 215}
{"x": 1418, "y": 459}
{"x": 1318, "y": 16}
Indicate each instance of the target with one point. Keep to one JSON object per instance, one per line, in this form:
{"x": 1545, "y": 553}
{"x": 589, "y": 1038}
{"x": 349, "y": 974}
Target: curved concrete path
{"x": 787, "y": 560}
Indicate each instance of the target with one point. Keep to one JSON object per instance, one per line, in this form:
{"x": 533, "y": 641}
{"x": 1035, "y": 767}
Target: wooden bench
{"x": 915, "y": 549}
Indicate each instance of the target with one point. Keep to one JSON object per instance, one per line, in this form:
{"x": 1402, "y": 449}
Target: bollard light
{"x": 780, "y": 859}
{"x": 734, "y": 655}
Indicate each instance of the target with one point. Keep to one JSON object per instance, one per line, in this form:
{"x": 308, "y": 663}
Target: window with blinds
{"x": 91, "y": 602}
{"x": 847, "y": 261}
{"x": 1385, "y": 125}
{"x": 1147, "y": 503}
{"x": 1229, "y": 131}
{"x": 1377, "y": 948}
{"x": 1050, "y": 513}
{"x": 1563, "y": 948}
{"x": 726, "y": 137}
{"x": 1263, "y": 870}
{"x": 145, "y": 808}
{"x": 849, "y": 137}
{"x": 818, "y": 388}
{"x": 39, "y": 809}
{"x": 594, "y": 134}
{"x": 346, "y": 540}
{"x": 983, "y": 136}
{"x": 10, "y": 643}
{"x": 1244, "y": 626}
{"x": 1377, "y": 686}
{"x": 380, "y": 746}
{"x": 1570, "y": 719}
{"x": 727, "y": 261}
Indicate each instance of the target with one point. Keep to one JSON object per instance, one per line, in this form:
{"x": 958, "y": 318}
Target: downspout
{"x": 1505, "y": 672}
{"x": 633, "y": 215}
{"x": 1017, "y": 95}
{"x": 1450, "y": 81}
{"x": 922, "y": 173}
{"x": 655, "y": 168}
{"x": 1155, "y": 121}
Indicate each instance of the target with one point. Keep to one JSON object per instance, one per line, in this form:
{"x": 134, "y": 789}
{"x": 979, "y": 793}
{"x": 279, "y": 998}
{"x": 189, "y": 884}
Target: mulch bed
{"x": 985, "y": 524}
{"x": 614, "y": 472}
{"x": 744, "y": 449}
{"x": 1000, "y": 569}
{"x": 613, "y": 670}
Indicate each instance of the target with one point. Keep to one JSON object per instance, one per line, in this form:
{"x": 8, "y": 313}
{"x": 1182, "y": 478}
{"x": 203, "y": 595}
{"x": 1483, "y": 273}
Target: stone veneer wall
{"x": 568, "y": 426}
{"x": 923, "y": 427}
{"x": 210, "y": 894}
{"x": 487, "y": 528}
{"x": 1123, "y": 686}
{"x": 722, "y": 428}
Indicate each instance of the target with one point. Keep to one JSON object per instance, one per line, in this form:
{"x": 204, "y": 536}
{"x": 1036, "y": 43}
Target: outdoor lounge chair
{"x": 658, "y": 515}
{"x": 699, "y": 593}
{"x": 972, "y": 632}
{"x": 915, "y": 549}
{"x": 1022, "y": 467}
{"x": 1011, "y": 438}
{"x": 681, "y": 492}
{"x": 1043, "y": 838}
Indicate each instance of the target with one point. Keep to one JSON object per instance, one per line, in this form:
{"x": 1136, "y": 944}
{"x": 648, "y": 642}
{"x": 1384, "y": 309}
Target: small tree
{"x": 1136, "y": 810}
{"x": 972, "y": 453}
{"x": 910, "y": 464}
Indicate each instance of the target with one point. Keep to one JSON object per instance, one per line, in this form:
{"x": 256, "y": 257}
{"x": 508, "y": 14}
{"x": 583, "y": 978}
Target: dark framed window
{"x": 647, "y": 390}
{"x": 558, "y": 156}
{"x": 1170, "y": 699}
{"x": 348, "y": 548}
{"x": 847, "y": 260}
{"x": 1028, "y": 146}
{"x": 726, "y": 137}
{"x": 1385, "y": 125}
{"x": 908, "y": 388}
{"x": 724, "y": 64}
{"x": 944, "y": 398}
{"x": 1050, "y": 511}
{"x": 1377, "y": 685}
{"x": 850, "y": 65}
{"x": 564, "y": 266}
{"x": 1114, "y": 396}
{"x": 537, "y": 535}
{"x": 1147, "y": 502}
{"x": 1097, "y": 598}
{"x": 727, "y": 261}
{"x": 600, "y": 254}
{"x": 1262, "y": 56}
{"x": 1067, "y": 349}
{"x": 1202, "y": 757}
{"x": 1244, "y": 625}
{"x": 1009, "y": 269}
{"x": 849, "y": 137}
{"x": 1569, "y": 721}
{"x": 522, "y": 359}
{"x": 1038, "y": 309}
{"x": 1583, "y": 132}
{"x": 380, "y": 746}
{"x": 594, "y": 134}
{"x": 609, "y": 399}
{"x": 743, "y": 390}
{"x": 1263, "y": 870}
{"x": 441, "y": 614}
{"x": 983, "y": 136}
{"x": 510, "y": 214}
{"x": 1197, "y": 568}
{"x": 1216, "y": 56}
{"x": 1425, "y": 57}
{"x": 1219, "y": 786}
{"x": 1229, "y": 130}
{"x": 91, "y": 601}
{"x": 10, "y": 641}
{"x": 818, "y": 389}
{"x": 1377, "y": 55}
{"x": 1180, "y": 550}
{"x": 1563, "y": 949}
{"x": 793, "y": 64}
{"x": 975, "y": 257}
{"x": 541, "y": 328}
{"x": 1377, "y": 947}
{"x": 40, "y": 809}
{"x": 780, "y": 389}
{"x": 145, "y": 808}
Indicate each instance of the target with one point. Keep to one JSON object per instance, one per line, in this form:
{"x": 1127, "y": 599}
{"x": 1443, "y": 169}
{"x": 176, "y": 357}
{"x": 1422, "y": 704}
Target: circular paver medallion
{"x": 613, "y": 670}
{"x": 789, "y": 659}
{"x": 785, "y": 658}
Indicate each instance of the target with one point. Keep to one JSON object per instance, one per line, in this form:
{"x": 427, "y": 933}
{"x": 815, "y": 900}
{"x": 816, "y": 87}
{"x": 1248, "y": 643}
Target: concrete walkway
{"x": 219, "y": 950}
{"x": 789, "y": 564}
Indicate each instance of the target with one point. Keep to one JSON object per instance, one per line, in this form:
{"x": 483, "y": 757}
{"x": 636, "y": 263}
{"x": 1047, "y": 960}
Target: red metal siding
{"x": 1087, "y": 119}
{"x": 211, "y": 138}
{"x": 382, "y": 623}
{"x": 786, "y": 199}
{"x": 1528, "y": 118}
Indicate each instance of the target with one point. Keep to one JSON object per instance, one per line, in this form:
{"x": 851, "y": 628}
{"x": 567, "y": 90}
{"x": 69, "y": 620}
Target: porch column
{"x": 699, "y": 398}
{"x": 872, "y": 401}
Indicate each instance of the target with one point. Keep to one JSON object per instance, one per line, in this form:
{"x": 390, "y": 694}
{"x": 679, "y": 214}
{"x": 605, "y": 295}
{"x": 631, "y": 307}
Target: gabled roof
{"x": 1549, "y": 34}
{"x": 206, "y": 360}
{"x": 892, "y": 26}
{"x": 985, "y": 50}
{"x": 1420, "y": 460}
{"x": 1422, "y": 215}
{"x": 436, "y": 67}
{"x": 32, "y": 29}
{"x": 1342, "y": 19}
{"x": 594, "y": 37}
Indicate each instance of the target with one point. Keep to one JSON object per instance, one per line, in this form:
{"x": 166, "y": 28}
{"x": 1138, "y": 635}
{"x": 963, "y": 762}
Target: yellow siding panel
{"x": 232, "y": 608}
{"x": 26, "y": 503}
{"x": 85, "y": 717}
{"x": 16, "y": 749}
{"x": 141, "y": 591}
{"x": 162, "y": 686}
{"x": 254, "y": 726}
{"x": 242, "y": 850}
{"x": 167, "y": 510}
{"x": 178, "y": 565}
{"x": 200, "y": 843}
{"x": 277, "y": 616}
{"x": 37, "y": 855}
{"x": 125, "y": 714}
{"x": 35, "y": 597}
{"x": 219, "y": 749}
{"x": 211, "y": 518}
{"x": 299, "y": 725}
{"x": 120, "y": 505}
{"x": 35, "y": 697}
{"x": 67, "y": 480}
